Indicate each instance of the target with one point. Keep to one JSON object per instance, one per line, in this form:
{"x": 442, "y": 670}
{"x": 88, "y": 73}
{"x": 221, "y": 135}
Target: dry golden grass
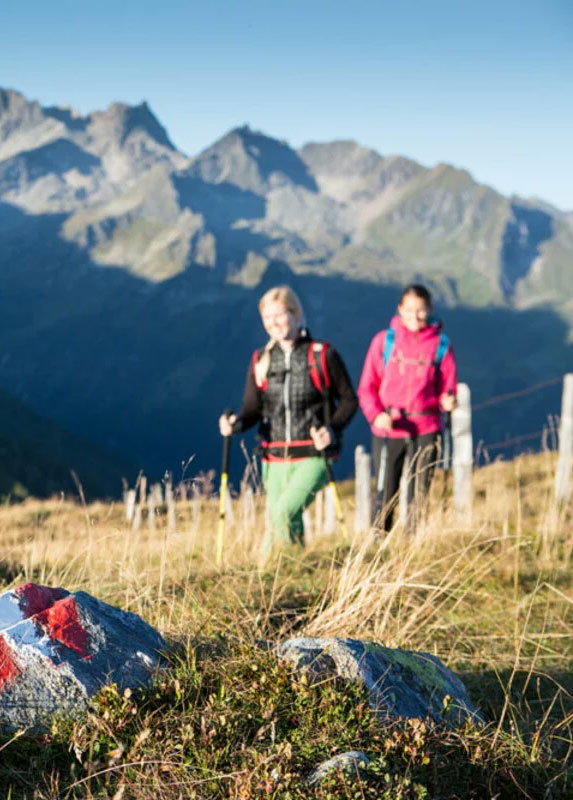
{"x": 492, "y": 597}
{"x": 493, "y": 588}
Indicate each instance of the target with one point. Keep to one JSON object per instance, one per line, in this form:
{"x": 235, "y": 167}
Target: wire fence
{"x": 547, "y": 436}
{"x": 500, "y": 398}
{"x": 557, "y": 433}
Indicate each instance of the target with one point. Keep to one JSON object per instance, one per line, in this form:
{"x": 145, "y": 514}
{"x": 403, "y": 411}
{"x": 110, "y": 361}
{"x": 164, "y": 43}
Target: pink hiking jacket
{"x": 410, "y": 385}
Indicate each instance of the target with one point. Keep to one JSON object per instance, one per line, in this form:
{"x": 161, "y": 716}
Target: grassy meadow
{"x": 492, "y": 597}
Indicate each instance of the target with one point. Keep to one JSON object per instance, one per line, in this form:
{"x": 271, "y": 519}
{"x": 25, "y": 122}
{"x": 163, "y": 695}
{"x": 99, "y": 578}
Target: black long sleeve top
{"x": 268, "y": 407}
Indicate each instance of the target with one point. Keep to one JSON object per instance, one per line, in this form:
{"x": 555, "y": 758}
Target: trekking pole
{"x": 410, "y": 488}
{"x": 223, "y": 494}
{"x": 446, "y": 452}
{"x": 337, "y": 504}
{"x": 330, "y": 475}
{"x": 381, "y": 477}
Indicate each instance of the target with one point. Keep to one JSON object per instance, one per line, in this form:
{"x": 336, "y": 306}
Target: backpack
{"x": 317, "y": 366}
{"x": 441, "y": 350}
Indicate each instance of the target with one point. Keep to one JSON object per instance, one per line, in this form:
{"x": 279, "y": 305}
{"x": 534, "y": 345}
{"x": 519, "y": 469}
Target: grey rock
{"x": 58, "y": 649}
{"x": 352, "y": 763}
{"x": 402, "y": 684}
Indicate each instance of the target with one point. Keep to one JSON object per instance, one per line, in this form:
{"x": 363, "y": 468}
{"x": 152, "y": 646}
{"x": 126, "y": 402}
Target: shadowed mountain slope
{"x": 37, "y": 458}
{"x": 130, "y": 272}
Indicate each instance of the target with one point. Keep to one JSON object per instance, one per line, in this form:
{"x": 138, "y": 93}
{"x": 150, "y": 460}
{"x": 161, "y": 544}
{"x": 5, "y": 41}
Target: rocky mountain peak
{"x": 120, "y": 121}
{"x": 17, "y": 114}
{"x": 23, "y": 124}
{"x": 11, "y": 101}
{"x": 54, "y": 159}
{"x": 329, "y": 206}
{"x": 253, "y": 161}
{"x": 350, "y": 173}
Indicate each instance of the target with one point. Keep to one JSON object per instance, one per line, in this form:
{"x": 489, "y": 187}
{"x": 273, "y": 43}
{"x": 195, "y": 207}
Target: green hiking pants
{"x": 291, "y": 487}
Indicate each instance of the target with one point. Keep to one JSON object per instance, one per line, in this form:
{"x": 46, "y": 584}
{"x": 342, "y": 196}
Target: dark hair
{"x": 418, "y": 291}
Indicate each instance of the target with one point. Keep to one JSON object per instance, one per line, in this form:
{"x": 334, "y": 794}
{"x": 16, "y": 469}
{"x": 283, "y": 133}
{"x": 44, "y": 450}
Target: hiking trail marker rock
{"x": 401, "y": 684}
{"x": 58, "y": 649}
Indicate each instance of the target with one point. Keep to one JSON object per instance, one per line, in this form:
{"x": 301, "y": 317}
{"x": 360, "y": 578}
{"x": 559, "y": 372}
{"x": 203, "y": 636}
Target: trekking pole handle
{"x": 450, "y": 393}
{"x": 223, "y": 494}
{"x": 228, "y": 412}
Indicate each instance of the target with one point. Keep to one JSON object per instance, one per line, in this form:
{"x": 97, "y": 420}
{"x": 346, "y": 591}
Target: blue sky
{"x": 482, "y": 85}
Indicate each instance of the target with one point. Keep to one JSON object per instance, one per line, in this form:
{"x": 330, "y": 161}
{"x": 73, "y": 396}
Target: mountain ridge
{"x": 332, "y": 206}
{"x": 130, "y": 270}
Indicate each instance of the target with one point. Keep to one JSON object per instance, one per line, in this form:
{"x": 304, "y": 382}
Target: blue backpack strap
{"x": 388, "y": 345}
{"x": 443, "y": 345}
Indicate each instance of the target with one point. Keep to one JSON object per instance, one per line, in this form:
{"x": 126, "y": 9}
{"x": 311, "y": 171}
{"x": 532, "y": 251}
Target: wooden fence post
{"x": 565, "y": 462}
{"x": 157, "y": 494}
{"x": 462, "y": 445}
{"x": 138, "y": 514}
{"x": 195, "y": 505}
{"x": 248, "y": 507}
{"x": 362, "y": 489}
{"x": 129, "y": 504}
{"x": 403, "y": 491}
{"x": 170, "y": 503}
{"x": 318, "y": 513}
{"x": 329, "y": 510}
{"x": 151, "y": 508}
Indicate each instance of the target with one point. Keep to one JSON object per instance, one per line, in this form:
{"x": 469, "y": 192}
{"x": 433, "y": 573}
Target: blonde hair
{"x": 286, "y": 296}
{"x": 289, "y": 299}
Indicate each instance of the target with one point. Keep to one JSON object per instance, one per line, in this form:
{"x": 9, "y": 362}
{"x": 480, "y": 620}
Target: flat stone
{"x": 351, "y": 763}
{"x": 402, "y": 684}
{"x": 58, "y": 649}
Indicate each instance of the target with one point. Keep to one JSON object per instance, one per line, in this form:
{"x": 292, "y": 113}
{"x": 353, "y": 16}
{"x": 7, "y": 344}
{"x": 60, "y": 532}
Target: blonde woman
{"x": 299, "y": 392}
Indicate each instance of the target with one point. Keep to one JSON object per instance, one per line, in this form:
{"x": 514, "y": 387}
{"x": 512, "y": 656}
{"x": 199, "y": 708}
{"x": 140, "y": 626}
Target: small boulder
{"x": 58, "y": 649}
{"x": 402, "y": 684}
{"x": 351, "y": 763}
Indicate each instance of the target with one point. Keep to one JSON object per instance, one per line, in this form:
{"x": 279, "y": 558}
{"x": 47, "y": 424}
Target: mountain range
{"x": 131, "y": 272}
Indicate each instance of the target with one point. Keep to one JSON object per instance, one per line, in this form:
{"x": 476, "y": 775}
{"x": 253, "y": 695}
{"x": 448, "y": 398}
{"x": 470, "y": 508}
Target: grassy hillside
{"x": 37, "y": 458}
{"x": 493, "y": 599}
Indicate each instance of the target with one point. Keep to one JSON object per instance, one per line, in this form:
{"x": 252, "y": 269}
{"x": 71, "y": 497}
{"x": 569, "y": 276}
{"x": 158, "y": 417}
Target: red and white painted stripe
{"x": 56, "y": 622}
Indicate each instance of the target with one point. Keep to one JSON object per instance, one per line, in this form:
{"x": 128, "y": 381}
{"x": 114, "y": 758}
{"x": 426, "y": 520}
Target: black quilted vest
{"x": 291, "y": 405}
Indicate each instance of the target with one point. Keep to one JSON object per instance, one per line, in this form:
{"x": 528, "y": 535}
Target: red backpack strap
{"x": 254, "y": 361}
{"x": 317, "y": 366}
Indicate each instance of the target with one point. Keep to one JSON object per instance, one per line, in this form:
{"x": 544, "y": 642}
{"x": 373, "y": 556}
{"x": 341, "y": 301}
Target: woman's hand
{"x": 383, "y": 421}
{"x": 321, "y": 437}
{"x": 226, "y": 424}
{"x": 448, "y": 402}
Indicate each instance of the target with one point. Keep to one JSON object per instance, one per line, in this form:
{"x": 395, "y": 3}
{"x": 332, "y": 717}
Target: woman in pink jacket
{"x": 408, "y": 380}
